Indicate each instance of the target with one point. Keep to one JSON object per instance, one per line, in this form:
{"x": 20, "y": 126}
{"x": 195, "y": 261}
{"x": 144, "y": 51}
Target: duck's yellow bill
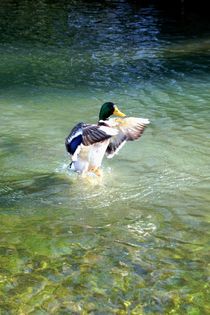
{"x": 117, "y": 112}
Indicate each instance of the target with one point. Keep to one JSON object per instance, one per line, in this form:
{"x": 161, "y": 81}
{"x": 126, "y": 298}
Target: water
{"x": 136, "y": 242}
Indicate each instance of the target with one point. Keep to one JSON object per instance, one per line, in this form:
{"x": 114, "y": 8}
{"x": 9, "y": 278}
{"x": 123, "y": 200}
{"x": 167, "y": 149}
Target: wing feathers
{"x": 87, "y": 135}
{"x": 95, "y": 133}
{"x": 129, "y": 129}
{"x": 115, "y": 145}
{"x": 119, "y": 132}
{"x": 74, "y": 139}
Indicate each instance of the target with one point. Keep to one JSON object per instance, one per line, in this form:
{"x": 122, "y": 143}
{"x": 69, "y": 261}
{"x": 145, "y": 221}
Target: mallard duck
{"x": 88, "y": 143}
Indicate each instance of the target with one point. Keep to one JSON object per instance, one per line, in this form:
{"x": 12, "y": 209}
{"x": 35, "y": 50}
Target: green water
{"x": 137, "y": 242}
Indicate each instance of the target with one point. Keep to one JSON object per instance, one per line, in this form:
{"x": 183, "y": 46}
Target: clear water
{"x": 136, "y": 242}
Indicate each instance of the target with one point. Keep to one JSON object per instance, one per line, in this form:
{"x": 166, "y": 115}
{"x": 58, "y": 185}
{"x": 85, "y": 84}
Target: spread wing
{"x": 96, "y": 133}
{"x": 129, "y": 129}
{"x": 85, "y": 134}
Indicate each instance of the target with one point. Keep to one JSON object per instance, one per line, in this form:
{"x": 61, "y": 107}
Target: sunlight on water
{"x": 136, "y": 240}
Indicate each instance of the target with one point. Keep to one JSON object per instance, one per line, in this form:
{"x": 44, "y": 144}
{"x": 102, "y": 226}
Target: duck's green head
{"x": 108, "y": 109}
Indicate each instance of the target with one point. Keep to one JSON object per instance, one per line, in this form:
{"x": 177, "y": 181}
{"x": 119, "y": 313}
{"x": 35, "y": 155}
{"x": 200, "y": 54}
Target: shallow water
{"x": 137, "y": 241}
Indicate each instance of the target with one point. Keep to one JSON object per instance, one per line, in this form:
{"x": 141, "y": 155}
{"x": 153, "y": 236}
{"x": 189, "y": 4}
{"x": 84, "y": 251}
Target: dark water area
{"x": 137, "y": 241}
{"x": 98, "y": 30}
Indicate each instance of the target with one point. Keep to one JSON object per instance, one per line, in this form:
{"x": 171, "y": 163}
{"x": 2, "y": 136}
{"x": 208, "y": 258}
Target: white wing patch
{"x": 74, "y": 135}
{"x": 109, "y": 131}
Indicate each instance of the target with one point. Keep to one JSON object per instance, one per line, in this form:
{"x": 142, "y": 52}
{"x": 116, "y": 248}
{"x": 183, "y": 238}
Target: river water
{"x": 137, "y": 241}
